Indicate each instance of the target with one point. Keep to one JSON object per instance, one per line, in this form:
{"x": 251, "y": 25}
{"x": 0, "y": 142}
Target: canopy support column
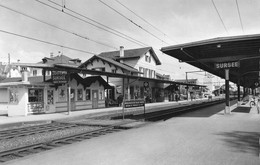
{"x": 227, "y": 108}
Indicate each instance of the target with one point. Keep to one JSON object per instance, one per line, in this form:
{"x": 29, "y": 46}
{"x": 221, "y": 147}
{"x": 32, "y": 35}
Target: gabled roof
{"x": 131, "y": 53}
{"x": 89, "y": 80}
{"x": 111, "y": 61}
{"x": 61, "y": 59}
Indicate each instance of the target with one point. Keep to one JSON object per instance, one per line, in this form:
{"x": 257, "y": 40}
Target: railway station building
{"x": 68, "y": 85}
{"x": 140, "y": 62}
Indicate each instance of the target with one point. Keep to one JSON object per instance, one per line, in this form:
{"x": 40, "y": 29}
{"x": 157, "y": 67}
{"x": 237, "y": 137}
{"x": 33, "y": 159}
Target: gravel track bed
{"x": 98, "y": 122}
{"x": 7, "y": 144}
{"x": 22, "y": 126}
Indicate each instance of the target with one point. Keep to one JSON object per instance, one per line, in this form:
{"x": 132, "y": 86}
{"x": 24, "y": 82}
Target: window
{"x": 87, "y": 94}
{"x": 34, "y": 72}
{"x": 113, "y": 70}
{"x": 48, "y": 73}
{"x": 35, "y": 95}
{"x": 141, "y": 70}
{"x": 101, "y": 95}
{"x": 150, "y": 73}
{"x": 147, "y": 58}
{"x": 80, "y": 94}
{"x": 50, "y": 97}
{"x": 145, "y": 72}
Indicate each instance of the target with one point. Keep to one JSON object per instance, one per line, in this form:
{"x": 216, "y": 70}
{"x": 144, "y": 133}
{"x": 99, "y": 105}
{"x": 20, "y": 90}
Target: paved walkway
{"x": 8, "y": 121}
{"x": 203, "y": 137}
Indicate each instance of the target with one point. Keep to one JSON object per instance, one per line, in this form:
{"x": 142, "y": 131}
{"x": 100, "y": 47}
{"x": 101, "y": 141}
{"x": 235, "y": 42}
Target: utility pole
{"x": 9, "y": 62}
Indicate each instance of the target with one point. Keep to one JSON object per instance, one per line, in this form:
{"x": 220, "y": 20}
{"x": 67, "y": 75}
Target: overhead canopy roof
{"x": 204, "y": 54}
{"x": 75, "y": 69}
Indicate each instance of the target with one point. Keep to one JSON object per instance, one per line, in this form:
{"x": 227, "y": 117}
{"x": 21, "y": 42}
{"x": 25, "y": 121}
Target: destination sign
{"x": 59, "y": 77}
{"x": 227, "y": 65}
{"x": 134, "y": 103}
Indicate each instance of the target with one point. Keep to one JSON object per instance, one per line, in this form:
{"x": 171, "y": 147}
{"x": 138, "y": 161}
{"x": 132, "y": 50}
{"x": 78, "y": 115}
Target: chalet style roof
{"x": 61, "y": 59}
{"x": 131, "y": 53}
{"x": 89, "y": 80}
{"x": 111, "y": 61}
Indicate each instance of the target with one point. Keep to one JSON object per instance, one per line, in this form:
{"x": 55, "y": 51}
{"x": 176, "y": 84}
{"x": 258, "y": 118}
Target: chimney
{"x": 25, "y": 74}
{"x": 121, "y": 54}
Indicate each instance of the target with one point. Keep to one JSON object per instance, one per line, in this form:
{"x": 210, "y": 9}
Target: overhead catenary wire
{"x": 57, "y": 27}
{"x": 219, "y": 15}
{"x": 99, "y": 26}
{"x": 132, "y": 22}
{"x": 143, "y": 19}
{"x": 241, "y": 23}
{"x": 46, "y": 42}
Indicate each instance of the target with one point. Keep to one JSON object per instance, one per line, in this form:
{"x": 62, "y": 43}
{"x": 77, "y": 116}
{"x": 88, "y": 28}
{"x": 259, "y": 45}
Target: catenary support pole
{"x": 68, "y": 94}
{"x": 123, "y": 87}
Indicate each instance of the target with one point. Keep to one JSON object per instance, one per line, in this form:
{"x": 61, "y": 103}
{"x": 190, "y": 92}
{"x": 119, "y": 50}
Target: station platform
{"x": 6, "y": 121}
{"x": 203, "y": 137}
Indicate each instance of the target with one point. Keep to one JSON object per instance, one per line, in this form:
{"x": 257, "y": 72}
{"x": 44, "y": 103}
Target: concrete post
{"x": 227, "y": 108}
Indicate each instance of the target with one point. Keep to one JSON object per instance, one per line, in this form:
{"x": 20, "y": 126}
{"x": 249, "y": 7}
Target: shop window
{"x": 50, "y": 97}
{"x": 80, "y": 94}
{"x": 35, "y": 95}
{"x": 87, "y": 94}
{"x": 101, "y": 95}
{"x": 13, "y": 97}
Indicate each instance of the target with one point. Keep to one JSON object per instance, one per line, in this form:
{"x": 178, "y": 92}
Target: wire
{"x": 142, "y": 19}
{"x": 133, "y": 22}
{"x": 219, "y": 15}
{"x": 46, "y": 42}
{"x": 78, "y": 35}
{"x": 104, "y": 27}
{"x": 239, "y": 16}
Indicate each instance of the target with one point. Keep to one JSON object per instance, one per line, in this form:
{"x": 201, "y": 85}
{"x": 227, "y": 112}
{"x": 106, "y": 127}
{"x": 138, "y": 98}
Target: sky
{"x": 105, "y": 25}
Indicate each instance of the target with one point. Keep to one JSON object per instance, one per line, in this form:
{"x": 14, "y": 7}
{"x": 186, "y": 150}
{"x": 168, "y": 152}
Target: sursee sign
{"x": 227, "y": 65}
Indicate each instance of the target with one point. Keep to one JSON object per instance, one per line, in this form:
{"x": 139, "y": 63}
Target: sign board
{"x": 59, "y": 77}
{"x": 227, "y": 65}
{"x": 134, "y": 103}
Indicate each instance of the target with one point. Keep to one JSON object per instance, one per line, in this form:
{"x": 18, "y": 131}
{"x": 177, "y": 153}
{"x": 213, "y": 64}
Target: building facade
{"x": 138, "y": 62}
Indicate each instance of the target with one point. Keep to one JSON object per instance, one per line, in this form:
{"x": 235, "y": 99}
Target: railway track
{"x": 23, "y": 151}
{"x": 40, "y": 147}
{"x": 13, "y": 133}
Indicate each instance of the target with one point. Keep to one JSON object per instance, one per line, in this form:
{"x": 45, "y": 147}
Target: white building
{"x": 139, "y": 62}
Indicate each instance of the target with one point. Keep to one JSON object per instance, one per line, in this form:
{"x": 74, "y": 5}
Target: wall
{"x": 20, "y": 108}
{"x": 3, "y": 101}
{"x": 61, "y": 102}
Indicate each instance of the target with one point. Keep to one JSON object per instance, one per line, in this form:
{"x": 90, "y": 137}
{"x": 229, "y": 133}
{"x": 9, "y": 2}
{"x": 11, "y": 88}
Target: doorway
{"x": 94, "y": 98}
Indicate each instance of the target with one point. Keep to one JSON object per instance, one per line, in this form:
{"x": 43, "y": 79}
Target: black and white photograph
{"x": 129, "y": 82}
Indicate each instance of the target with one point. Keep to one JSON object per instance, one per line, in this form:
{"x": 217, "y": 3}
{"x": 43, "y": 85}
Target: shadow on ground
{"x": 245, "y": 142}
{"x": 242, "y": 109}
